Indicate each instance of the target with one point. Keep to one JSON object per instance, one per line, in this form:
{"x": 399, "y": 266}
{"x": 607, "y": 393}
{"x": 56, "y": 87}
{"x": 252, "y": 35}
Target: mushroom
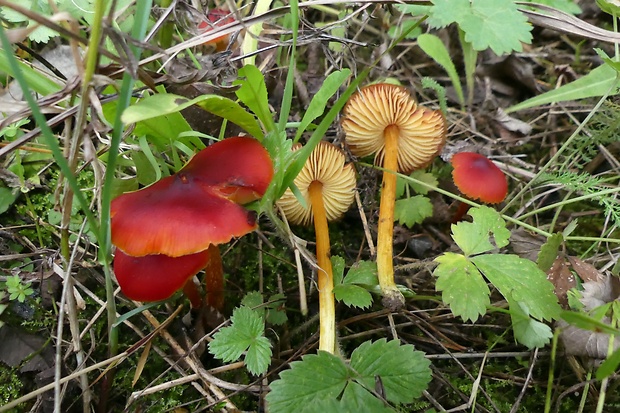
{"x": 477, "y": 178}
{"x": 384, "y": 119}
{"x": 327, "y": 186}
{"x": 217, "y": 18}
{"x": 178, "y": 221}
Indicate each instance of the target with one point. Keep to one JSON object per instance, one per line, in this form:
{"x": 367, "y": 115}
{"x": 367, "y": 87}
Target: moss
{"x": 10, "y": 386}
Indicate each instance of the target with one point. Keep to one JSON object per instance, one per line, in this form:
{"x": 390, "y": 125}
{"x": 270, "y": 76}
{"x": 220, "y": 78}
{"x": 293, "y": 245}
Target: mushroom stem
{"x": 392, "y": 297}
{"x": 461, "y": 210}
{"x": 190, "y": 290}
{"x": 327, "y": 305}
{"x": 214, "y": 279}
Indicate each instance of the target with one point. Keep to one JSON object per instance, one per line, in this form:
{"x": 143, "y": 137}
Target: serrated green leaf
{"x": 596, "y": 83}
{"x": 298, "y": 387}
{"x": 473, "y": 237}
{"x": 258, "y": 356}
{"x": 362, "y": 272}
{"x": 413, "y": 210}
{"x": 244, "y": 334}
{"x": 521, "y": 280}
{"x": 462, "y": 286}
{"x": 404, "y": 372}
{"x": 357, "y": 398}
{"x": 609, "y": 366}
{"x": 549, "y": 252}
{"x": 253, "y": 93}
{"x": 337, "y": 268}
{"x": 353, "y": 295}
{"x": 527, "y": 331}
{"x": 253, "y": 300}
{"x": 495, "y": 24}
{"x": 425, "y": 177}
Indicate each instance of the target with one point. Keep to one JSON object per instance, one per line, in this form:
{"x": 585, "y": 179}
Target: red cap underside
{"x": 155, "y": 277}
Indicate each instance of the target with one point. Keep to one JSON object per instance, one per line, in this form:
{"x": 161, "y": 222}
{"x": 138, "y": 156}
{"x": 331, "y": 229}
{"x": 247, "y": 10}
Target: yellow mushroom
{"x": 327, "y": 185}
{"x": 384, "y": 119}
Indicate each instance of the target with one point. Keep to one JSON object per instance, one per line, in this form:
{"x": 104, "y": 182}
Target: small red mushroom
{"x": 217, "y": 18}
{"x": 167, "y": 232}
{"x": 478, "y": 179}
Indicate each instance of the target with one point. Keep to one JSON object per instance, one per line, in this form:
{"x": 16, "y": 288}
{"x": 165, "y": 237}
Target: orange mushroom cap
{"x": 155, "y": 277}
{"x": 479, "y": 178}
{"x": 217, "y": 18}
{"x": 198, "y": 206}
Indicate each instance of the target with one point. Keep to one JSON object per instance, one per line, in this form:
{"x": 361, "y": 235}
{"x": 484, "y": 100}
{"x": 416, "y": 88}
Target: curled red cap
{"x": 479, "y": 178}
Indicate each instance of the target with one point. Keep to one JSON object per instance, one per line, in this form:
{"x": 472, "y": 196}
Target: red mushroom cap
{"x": 155, "y": 277}
{"x": 185, "y": 213}
{"x": 216, "y": 18}
{"x": 478, "y": 178}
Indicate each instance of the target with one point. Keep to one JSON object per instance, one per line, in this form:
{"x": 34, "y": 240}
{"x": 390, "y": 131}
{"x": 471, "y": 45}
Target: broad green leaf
{"x": 160, "y": 104}
{"x": 253, "y": 93}
{"x": 611, "y": 7}
{"x": 317, "y": 105}
{"x": 246, "y": 333}
{"x": 521, "y": 280}
{"x": 404, "y": 372}
{"x": 146, "y": 173}
{"x": 355, "y": 399}
{"x": 434, "y": 47}
{"x": 413, "y": 210}
{"x": 362, "y": 272}
{"x": 474, "y": 237}
{"x": 596, "y": 83}
{"x": 568, "y": 6}
{"x": 252, "y": 300}
{"x": 463, "y": 287}
{"x": 7, "y": 197}
{"x": 353, "y": 295}
{"x": 549, "y": 251}
{"x": 424, "y": 177}
{"x": 494, "y": 24}
{"x": 298, "y": 387}
{"x": 527, "y": 331}
{"x": 337, "y": 268}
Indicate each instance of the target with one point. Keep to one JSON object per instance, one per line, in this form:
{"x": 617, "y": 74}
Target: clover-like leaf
{"x": 413, "y": 210}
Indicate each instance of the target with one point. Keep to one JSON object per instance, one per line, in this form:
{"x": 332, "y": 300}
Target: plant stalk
{"x": 392, "y": 298}
{"x": 327, "y": 303}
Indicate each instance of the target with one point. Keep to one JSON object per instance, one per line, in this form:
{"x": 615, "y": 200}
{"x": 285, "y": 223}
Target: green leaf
{"x": 404, "y": 372}
{"x": 495, "y": 24}
{"x": 609, "y": 6}
{"x": 160, "y": 104}
{"x": 7, "y": 197}
{"x": 246, "y": 333}
{"x": 298, "y": 387}
{"x": 585, "y": 322}
{"x": 609, "y": 366}
{"x": 253, "y": 93}
{"x": 434, "y": 47}
{"x": 425, "y": 177}
{"x": 473, "y": 237}
{"x": 521, "y": 280}
{"x": 317, "y": 105}
{"x": 463, "y": 287}
{"x": 414, "y": 210}
{"x": 362, "y": 272}
{"x": 596, "y": 83}
{"x": 337, "y": 268}
{"x": 527, "y": 331}
{"x": 549, "y": 252}
{"x": 353, "y": 295}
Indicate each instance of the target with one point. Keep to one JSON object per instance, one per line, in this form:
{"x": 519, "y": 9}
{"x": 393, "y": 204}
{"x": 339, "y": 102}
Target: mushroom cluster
{"x": 327, "y": 185}
{"x": 167, "y": 232}
{"x": 384, "y": 119}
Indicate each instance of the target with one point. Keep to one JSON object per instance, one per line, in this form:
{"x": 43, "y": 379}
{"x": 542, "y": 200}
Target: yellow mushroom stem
{"x": 392, "y": 297}
{"x": 327, "y": 305}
